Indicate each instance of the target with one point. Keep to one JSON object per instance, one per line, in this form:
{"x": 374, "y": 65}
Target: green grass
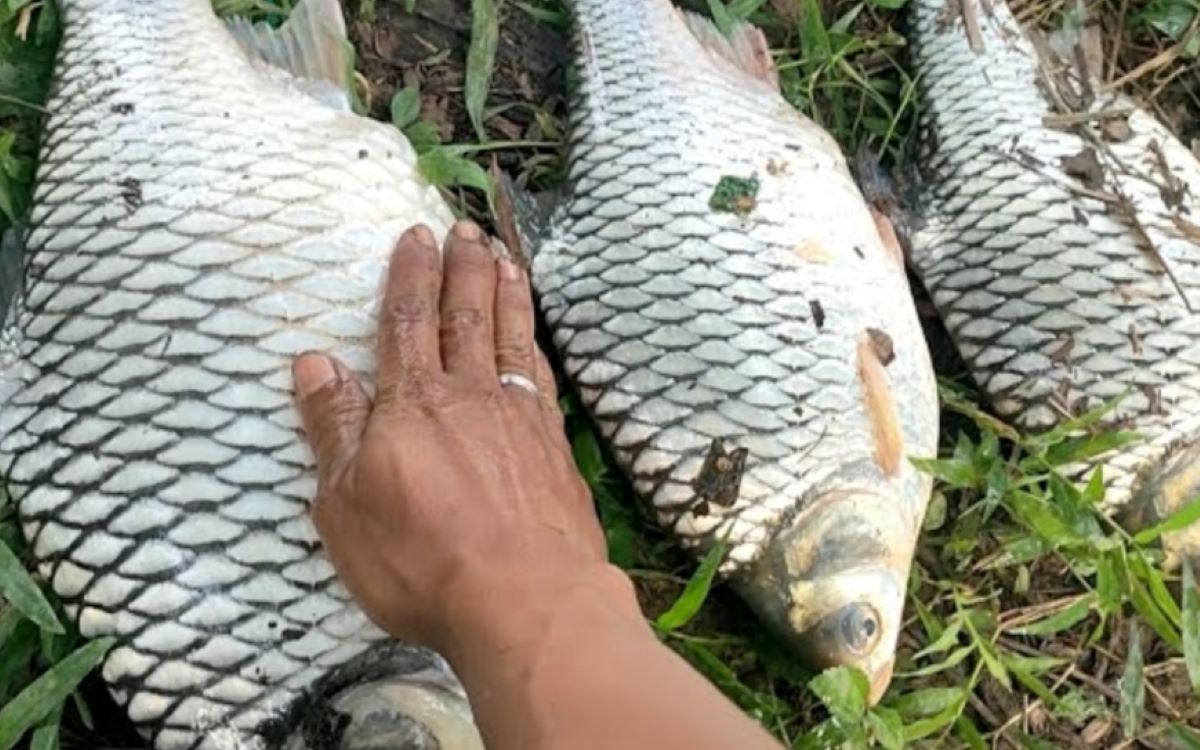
{"x": 1033, "y": 620}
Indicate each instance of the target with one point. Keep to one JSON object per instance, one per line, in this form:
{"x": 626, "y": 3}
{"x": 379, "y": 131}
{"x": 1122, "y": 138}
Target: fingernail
{"x": 509, "y": 270}
{"x": 312, "y": 372}
{"x": 468, "y": 230}
{"x": 423, "y": 235}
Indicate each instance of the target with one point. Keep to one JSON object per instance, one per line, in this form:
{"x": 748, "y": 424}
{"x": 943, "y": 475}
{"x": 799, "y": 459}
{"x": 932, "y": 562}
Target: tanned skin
{"x": 452, "y": 509}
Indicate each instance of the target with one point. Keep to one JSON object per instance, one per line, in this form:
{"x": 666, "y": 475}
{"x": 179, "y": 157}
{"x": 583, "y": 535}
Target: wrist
{"x": 505, "y": 618}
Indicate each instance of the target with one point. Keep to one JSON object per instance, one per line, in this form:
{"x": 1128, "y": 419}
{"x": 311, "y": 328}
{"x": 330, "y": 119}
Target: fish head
{"x": 394, "y": 696}
{"x": 834, "y": 581}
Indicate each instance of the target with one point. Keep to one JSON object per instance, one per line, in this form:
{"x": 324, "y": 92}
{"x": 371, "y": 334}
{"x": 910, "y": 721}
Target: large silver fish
{"x": 204, "y": 211}
{"x": 743, "y": 337}
{"x": 1061, "y": 244}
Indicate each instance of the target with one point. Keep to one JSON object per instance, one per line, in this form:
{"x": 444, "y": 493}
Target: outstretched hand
{"x": 450, "y": 500}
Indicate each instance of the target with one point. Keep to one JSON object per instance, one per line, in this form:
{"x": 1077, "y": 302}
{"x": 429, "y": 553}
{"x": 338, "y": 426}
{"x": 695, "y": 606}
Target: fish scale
{"x": 691, "y": 332}
{"x": 1053, "y": 297}
{"x": 198, "y": 221}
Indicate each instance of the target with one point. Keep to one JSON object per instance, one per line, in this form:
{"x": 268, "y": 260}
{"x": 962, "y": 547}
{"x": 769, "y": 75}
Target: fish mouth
{"x": 833, "y": 583}
{"x": 1165, "y": 490}
{"x": 393, "y": 697}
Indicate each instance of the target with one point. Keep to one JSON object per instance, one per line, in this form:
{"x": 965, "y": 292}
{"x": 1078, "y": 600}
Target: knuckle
{"x": 514, "y": 348}
{"x": 409, "y": 309}
{"x": 464, "y": 322}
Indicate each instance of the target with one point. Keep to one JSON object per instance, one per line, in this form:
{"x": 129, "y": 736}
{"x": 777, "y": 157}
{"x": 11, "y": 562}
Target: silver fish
{"x": 756, "y": 367}
{"x": 202, "y": 215}
{"x": 1061, "y": 245}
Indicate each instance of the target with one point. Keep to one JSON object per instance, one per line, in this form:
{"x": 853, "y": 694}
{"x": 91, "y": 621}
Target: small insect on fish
{"x": 207, "y": 207}
{"x": 743, "y": 337}
{"x": 1055, "y": 243}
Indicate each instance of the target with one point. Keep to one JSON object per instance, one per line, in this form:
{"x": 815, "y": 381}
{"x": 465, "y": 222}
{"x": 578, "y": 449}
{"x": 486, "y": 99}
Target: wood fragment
{"x": 880, "y": 405}
{"x": 971, "y": 24}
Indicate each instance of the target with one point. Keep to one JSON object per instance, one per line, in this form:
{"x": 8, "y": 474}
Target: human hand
{"x": 451, "y": 506}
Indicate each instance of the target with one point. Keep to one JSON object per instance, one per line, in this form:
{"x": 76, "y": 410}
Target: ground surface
{"x": 1034, "y": 623}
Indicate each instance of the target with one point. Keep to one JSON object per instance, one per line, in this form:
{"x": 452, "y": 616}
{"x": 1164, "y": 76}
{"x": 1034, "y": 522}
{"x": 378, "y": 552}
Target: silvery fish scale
{"x": 1061, "y": 293}
{"x": 683, "y": 325}
{"x": 198, "y": 221}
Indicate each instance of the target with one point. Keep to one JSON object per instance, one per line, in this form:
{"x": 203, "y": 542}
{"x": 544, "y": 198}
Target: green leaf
{"x": 844, "y": 691}
{"x": 481, "y": 60}
{"x": 48, "y": 691}
{"x": 966, "y": 731}
{"x": 45, "y": 737}
{"x": 1177, "y": 521}
{"x": 424, "y": 136}
{"x": 889, "y": 4}
{"x": 1133, "y": 685}
{"x": 689, "y": 603}
{"x": 1188, "y": 740}
{"x": 886, "y": 727}
{"x": 1077, "y": 449}
{"x": 406, "y": 106}
{"x": 944, "y": 642}
{"x": 954, "y": 472}
{"x": 19, "y": 589}
{"x": 721, "y": 16}
{"x": 1191, "y": 627}
{"x": 1059, "y": 621}
{"x": 928, "y": 701}
{"x": 444, "y": 168}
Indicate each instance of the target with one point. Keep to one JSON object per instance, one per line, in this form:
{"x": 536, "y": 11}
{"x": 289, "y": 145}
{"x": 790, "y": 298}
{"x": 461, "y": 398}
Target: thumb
{"x": 334, "y": 409}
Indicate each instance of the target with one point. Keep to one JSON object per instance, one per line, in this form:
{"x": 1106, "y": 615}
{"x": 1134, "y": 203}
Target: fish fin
{"x": 746, "y": 47}
{"x": 887, "y": 207}
{"x": 312, "y": 45}
{"x": 522, "y": 218}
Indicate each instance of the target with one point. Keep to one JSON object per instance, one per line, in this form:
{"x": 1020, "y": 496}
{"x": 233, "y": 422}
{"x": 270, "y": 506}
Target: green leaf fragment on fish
{"x": 48, "y": 691}
{"x": 442, "y": 167}
{"x": 689, "y": 603}
{"x": 20, "y": 590}
{"x": 735, "y": 195}
{"x": 481, "y": 60}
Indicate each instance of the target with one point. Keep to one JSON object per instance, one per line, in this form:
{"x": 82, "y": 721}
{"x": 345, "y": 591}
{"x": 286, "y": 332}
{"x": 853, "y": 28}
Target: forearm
{"x": 592, "y": 675}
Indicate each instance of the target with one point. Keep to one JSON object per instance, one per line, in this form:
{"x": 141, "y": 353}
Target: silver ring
{"x": 520, "y": 381}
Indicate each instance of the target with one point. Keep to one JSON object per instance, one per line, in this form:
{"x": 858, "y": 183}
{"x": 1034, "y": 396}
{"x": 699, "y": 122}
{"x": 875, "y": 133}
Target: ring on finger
{"x": 517, "y": 380}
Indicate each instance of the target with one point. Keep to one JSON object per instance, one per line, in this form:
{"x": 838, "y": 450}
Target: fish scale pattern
{"x": 682, "y": 325}
{"x": 198, "y": 221}
{"x": 1054, "y": 298}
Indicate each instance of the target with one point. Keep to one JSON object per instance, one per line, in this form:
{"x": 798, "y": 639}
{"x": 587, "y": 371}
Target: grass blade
{"x": 1180, "y": 519}
{"x": 1133, "y": 685}
{"x": 1191, "y": 627}
{"x": 1059, "y": 621}
{"x": 47, "y": 692}
{"x": 688, "y": 605}
{"x": 19, "y": 589}
{"x": 481, "y": 60}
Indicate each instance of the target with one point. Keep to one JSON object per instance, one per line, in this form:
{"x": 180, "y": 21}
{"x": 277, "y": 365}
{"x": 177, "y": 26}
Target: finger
{"x": 334, "y": 409}
{"x": 516, "y": 360}
{"x": 409, "y": 355}
{"x": 468, "y": 301}
{"x": 547, "y": 388}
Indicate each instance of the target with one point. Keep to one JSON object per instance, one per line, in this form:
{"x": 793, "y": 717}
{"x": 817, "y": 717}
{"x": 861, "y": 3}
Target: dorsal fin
{"x": 312, "y": 46}
{"x": 745, "y": 47}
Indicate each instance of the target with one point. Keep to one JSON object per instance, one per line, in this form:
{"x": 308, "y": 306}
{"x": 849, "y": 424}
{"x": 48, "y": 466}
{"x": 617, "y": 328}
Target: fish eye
{"x": 860, "y": 628}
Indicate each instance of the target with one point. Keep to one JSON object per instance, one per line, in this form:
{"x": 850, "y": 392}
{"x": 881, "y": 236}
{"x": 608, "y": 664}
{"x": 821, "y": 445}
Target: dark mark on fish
{"x": 818, "y": 313}
{"x": 291, "y": 634}
{"x": 720, "y": 478}
{"x": 123, "y": 108}
{"x": 363, "y": 154}
{"x": 1135, "y": 340}
{"x": 1081, "y": 218}
{"x": 1085, "y": 166}
{"x": 1153, "y": 395}
{"x": 882, "y": 344}
{"x": 131, "y": 192}
{"x": 1116, "y": 129}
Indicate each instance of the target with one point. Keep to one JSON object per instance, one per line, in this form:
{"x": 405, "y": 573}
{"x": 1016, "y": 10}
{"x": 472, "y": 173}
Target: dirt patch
{"x": 429, "y": 46}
